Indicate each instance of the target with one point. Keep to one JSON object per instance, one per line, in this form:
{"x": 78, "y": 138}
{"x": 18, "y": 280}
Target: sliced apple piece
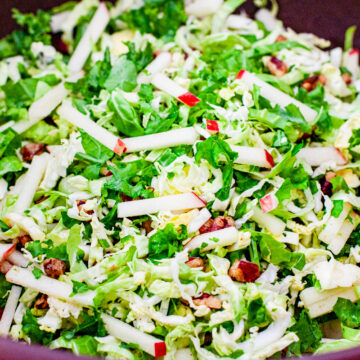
{"x": 334, "y": 224}
{"x": 169, "y": 86}
{"x": 212, "y": 126}
{"x": 253, "y": 156}
{"x": 197, "y": 222}
{"x": 31, "y": 182}
{"x": 177, "y": 202}
{"x": 185, "y": 136}
{"x": 276, "y": 96}
{"x": 269, "y": 221}
{"x": 315, "y": 156}
{"x": 9, "y": 310}
{"x": 322, "y": 302}
{"x": 130, "y": 335}
{"x": 269, "y": 202}
{"x": 91, "y": 36}
{"x": 159, "y": 64}
{"x": 351, "y": 62}
{"x": 75, "y": 117}
{"x": 46, "y": 285}
{"x": 211, "y": 240}
{"x": 17, "y": 258}
{"x": 339, "y": 240}
{"x": 6, "y": 250}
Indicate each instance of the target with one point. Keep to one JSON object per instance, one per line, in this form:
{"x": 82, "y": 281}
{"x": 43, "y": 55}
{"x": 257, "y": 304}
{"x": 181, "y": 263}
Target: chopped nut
{"x": 280, "y": 38}
{"x": 54, "y": 267}
{"x": 276, "y": 66}
{"x": 311, "y": 82}
{"x": 347, "y": 78}
{"x": 210, "y": 301}
{"x": 41, "y": 302}
{"x": 195, "y": 262}
{"x": 28, "y": 151}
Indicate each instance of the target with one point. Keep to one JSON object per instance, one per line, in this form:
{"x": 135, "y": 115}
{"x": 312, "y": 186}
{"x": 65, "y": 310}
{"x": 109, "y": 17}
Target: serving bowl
{"x": 328, "y": 19}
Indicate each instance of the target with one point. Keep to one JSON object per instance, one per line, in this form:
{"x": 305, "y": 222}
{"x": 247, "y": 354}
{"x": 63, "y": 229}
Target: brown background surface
{"x": 326, "y": 18}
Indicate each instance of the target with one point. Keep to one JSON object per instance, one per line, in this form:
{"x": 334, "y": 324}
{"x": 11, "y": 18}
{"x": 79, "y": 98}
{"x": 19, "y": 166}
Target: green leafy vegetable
{"x": 166, "y": 242}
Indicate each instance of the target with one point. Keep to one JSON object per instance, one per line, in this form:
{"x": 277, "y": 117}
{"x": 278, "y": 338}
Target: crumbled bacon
{"x": 210, "y": 301}
{"x": 24, "y": 239}
{"x": 244, "y": 271}
{"x": 220, "y": 222}
{"x": 280, "y": 38}
{"x": 206, "y": 227}
{"x": 54, "y": 267}
{"x": 195, "y": 262}
{"x": 147, "y": 226}
{"x": 80, "y": 205}
{"x": 311, "y": 82}
{"x": 347, "y": 78}
{"x": 5, "y": 266}
{"x": 41, "y": 302}
{"x": 276, "y": 66}
{"x": 29, "y": 150}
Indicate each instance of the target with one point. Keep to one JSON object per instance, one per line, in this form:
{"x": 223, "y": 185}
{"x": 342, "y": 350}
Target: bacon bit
{"x": 5, "y": 266}
{"x": 277, "y": 67}
{"x": 311, "y": 82}
{"x": 195, "y": 262}
{"x": 235, "y": 272}
{"x": 244, "y": 271}
{"x": 24, "y": 239}
{"x": 250, "y": 270}
{"x": 147, "y": 226}
{"x": 42, "y": 303}
{"x": 280, "y": 38}
{"x": 206, "y": 227}
{"x": 347, "y": 78}
{"x": 210, "y": 301}
{"x": 220, "y": 222}
{"x": 54, "y": 267}
{"x": 28, "y": 151}
{"x": 80, "y": 204}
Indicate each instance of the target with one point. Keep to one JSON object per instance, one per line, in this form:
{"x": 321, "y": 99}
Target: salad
{"x": 178, "y": 180}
